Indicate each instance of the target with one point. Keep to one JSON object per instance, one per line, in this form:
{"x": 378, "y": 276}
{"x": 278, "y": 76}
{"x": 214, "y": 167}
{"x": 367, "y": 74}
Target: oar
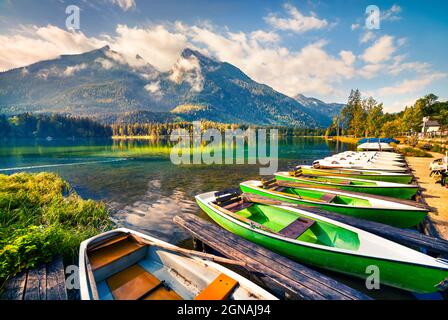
{"x": 188, "y": 252}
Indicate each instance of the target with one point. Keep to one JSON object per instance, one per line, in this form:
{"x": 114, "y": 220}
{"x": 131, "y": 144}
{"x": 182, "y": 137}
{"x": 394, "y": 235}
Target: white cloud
{"x": 398, "y": 66}
{"x": 348, "y": 57}
{"x": 156, "y": 44}
{"x": 155, "y": 89}
{"x": 391, "y": 14}
{"x": 370, "y": 71}
{"x": 71, "y": 70}
{"x": 105, "y": 63}
{"x": 124, "y": 4}
{"x": 297, "y": 22}
{"x": 355, "y": 26}
{"x": 188, "y": 70}
{"x": 367, "y": 37}
{"x": 410, "y": 86}
{"x": 380, "y": 51}
{"x": 31, "y": 44}
{"x": 265, "y": 37}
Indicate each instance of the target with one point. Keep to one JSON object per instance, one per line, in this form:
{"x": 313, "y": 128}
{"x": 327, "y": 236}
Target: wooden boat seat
{"x": 328, "y": 197}
{"x": 136, "y": 283}
{"x": 237, "y": 206}
{"x": 296, "y": 228}
{"x": 218, "y": 289}
{"x": 279, "y": 189}
{"x": 112, "y": 250}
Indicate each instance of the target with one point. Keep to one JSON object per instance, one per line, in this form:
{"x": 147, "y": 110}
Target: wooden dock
{"x": 46, "y": 282}
{"x": 292, "y": 279}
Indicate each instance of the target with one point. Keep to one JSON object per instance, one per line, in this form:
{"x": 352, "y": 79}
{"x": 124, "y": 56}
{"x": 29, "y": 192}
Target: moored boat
{"x": 390, "y": 189}
{"x": 325, "y": 243}
{"x": 403, "y": 214}
{"x": 358, "y": 174}
{"x": 123, "y": 264}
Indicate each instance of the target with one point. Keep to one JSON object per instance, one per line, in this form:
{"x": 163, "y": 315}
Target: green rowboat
{"x": 390, "y": 189}
{"x": 403, "y": 214}
{"x": 358, "y": 174}
{"x": 325, "y": 243}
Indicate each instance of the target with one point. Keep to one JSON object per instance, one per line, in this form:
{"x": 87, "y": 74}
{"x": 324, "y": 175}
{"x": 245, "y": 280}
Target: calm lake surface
{"x": 140, "y": 184}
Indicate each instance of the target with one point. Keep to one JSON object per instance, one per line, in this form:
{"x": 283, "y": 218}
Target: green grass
{"x": 41, "y": 217}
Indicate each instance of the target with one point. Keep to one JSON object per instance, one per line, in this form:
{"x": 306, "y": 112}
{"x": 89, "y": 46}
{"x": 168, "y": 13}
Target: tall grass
{"x": 40, "y": 217}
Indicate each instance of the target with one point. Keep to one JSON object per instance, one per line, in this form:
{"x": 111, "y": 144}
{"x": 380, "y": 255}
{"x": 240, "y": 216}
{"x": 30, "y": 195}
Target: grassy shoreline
{"x": 41, "y": 217}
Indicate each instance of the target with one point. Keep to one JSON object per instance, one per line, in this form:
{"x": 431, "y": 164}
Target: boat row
{"x": 285, "y": 215}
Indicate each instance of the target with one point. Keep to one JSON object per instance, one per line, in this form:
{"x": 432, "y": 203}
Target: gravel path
{"x": 435, "y": 195}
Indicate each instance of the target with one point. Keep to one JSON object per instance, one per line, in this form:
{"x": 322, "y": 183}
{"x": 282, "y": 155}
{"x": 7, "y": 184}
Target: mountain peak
{"x": 187, "y": 52}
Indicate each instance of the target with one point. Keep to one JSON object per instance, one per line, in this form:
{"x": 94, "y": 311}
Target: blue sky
{"x": 317, "y": 48}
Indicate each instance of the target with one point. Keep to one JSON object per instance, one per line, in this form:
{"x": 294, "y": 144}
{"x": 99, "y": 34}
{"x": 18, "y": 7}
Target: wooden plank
{"x": 298, "y": 280}
{"x": 287, "y": 268}
{"x": 403, "y": 236}
{"x": 56, "y": 289}
{"x": 15, "y": 287}
{"x": 307, "y": 278}
{"x": 36, "y": 284}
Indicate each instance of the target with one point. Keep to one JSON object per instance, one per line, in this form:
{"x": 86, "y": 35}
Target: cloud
{"x": 355, "y": 26}
{"x": 391, "y": 14}
{"x": 380, "y": 51}
{"x": 410, "y": 86}
{"x": 265, "y": 37}
{"x": 156, "y": 44}
{"x": 398, "y": 66}
{"x": 155, "y": 89}
{"x": 124, "y": 4}
{"x": 367, "y": 37}
{"x": 30, "y": 44}
{"x": 296, "y": 22}
{"x": 188, "y": 70}
{"x": 71, "y": 70}
{"x": 370, "y": 71}
{"x": 105, "y": 63}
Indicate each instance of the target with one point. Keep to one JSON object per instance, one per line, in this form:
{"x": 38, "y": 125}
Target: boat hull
{"x": 411, "y": 277}
{"x": 398, "y": 218}
{"x": 397, "y": 178}
{"x": 395, "y": 192}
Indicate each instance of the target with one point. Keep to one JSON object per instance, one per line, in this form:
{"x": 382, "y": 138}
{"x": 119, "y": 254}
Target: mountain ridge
{"x": 101, "y": 83}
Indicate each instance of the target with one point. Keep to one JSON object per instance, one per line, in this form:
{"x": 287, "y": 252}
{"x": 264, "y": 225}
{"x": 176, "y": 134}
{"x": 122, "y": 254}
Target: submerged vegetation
{"x": 40, "y": 217}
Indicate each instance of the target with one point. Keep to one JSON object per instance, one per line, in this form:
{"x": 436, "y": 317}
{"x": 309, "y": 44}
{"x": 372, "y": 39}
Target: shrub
{"x": 414, "y": 152}
{"x": 38, "y": 222}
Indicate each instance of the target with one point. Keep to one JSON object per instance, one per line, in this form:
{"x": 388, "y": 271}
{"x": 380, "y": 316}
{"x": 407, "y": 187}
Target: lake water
{"x": 140, "y": 184}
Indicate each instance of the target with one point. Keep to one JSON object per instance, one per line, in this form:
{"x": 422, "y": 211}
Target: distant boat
{"x": 127, "y": 265}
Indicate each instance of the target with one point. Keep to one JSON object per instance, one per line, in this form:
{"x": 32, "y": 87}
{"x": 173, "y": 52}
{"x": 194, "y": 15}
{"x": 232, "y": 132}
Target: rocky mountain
{"x": 107, "y": 85}
{"x": 319, "y": 109}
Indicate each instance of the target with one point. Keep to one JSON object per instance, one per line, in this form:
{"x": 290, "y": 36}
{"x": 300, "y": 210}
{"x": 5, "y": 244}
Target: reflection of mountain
{"x": 153, "y": 213}
{"x": 103, "y": 84}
